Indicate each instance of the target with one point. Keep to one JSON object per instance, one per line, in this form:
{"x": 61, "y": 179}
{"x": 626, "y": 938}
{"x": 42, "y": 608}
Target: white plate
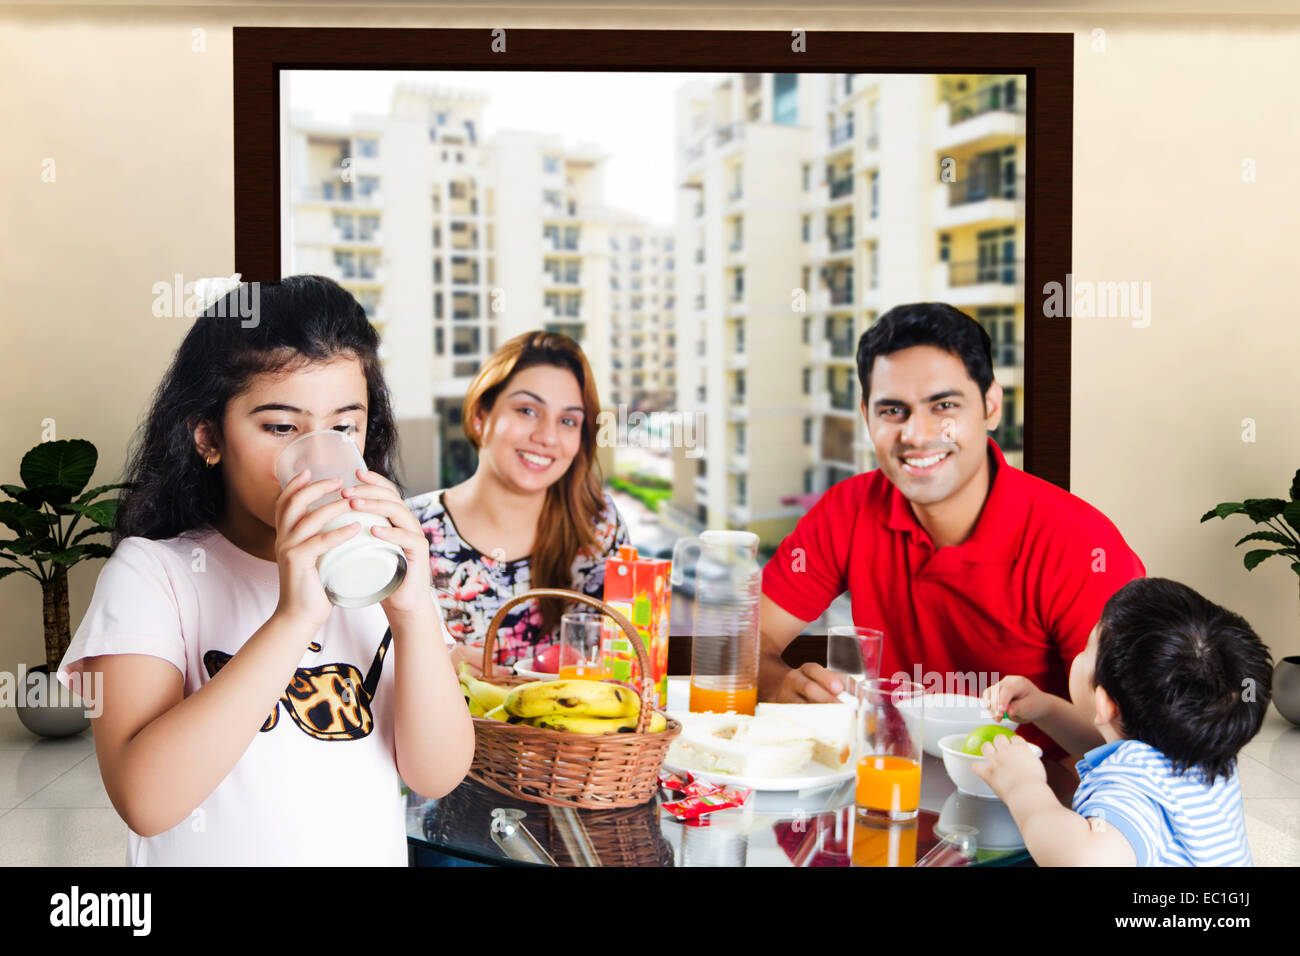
{"x": 811, "y": 776}
{"x": 524, "y": 669}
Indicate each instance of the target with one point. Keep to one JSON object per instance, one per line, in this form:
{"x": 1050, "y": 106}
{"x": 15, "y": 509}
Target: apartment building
{"x": 643, "y": 306}
{"x": 453, "y": 245}
{"x": 809, "y": 205}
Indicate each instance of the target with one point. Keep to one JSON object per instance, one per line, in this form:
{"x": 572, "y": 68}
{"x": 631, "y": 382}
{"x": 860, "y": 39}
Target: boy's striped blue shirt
{"x": 1170, "y": 820}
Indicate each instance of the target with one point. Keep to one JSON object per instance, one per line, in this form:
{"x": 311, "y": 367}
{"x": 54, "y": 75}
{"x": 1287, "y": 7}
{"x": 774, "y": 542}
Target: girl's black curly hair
{"x": 293, "y": 321}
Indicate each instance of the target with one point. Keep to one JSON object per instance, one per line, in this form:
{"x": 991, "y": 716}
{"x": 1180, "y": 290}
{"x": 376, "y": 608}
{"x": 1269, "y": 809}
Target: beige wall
{"x": 138, "y": 125}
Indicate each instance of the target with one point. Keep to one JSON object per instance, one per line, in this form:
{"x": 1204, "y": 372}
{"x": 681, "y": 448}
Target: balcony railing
{"x": 1010, "y": 437}
{"x": 841, "y": 187}
{"x": 1009, "y": 355}
{"x": 983, "y": 188}
{"x": 841, "y": 242}
{"x": 1000, "y": 98}
{"x": 699, "y": 301}
{"x": 873, "y": 141}
{"x": 842, "y": 400}
{"x": 725, "y": 134}
{"x": 841, "y": 295}
{"x": 736, "y": 245}
{"x": 699, "y": 255}
{"x": 841, "y": 133}
{"x": 735, "y": 194}
{"x": 841, "y": 346}
{"x": 981, "y": 273}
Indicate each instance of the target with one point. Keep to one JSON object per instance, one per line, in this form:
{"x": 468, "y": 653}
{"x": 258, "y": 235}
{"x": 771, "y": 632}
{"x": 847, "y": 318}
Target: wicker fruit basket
{"x": 565, "y": 769}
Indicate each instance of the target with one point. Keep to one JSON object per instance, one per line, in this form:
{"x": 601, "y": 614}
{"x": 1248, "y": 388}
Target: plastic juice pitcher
{"x": 724, "y": 640}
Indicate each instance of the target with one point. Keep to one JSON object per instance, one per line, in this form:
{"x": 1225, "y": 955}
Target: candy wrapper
{"x": 639, "y": 589}
{"x": 692, "y": 808}
{"x": 676, "y": 782}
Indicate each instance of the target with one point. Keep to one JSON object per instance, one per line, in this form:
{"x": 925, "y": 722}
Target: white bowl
{"x": 961, "y": 766}
{"x": 946, "y": 714}
{"x": 997, "y": 828}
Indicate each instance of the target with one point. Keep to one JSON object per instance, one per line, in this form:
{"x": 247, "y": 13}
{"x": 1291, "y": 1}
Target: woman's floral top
{"x": 471, "y": 586}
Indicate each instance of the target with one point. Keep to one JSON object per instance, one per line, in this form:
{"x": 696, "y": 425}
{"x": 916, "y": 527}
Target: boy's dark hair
{"x": 1190, "y": 678}
{"x": 927, "y": 323}
{"x": 295, "y": 320}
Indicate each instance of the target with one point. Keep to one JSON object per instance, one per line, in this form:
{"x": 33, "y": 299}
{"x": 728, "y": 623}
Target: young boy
{"x": 1167, "y": 691}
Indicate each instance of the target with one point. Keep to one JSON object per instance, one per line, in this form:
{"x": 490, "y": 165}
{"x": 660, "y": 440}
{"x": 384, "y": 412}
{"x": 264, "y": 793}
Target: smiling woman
{"x": 532, "y": 514}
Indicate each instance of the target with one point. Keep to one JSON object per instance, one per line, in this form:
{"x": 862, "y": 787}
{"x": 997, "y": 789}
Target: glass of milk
{"x": 362, "y": 570}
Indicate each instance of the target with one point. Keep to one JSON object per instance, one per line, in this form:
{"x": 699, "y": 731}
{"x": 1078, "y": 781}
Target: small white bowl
{"x": 946, "y": 714}
{"x": 961, "y": 766}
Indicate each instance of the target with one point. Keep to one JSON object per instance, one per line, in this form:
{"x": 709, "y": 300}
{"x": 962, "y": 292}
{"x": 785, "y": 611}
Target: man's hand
{"x": 1008, "y": 764}
{"x": 809, "y": 684}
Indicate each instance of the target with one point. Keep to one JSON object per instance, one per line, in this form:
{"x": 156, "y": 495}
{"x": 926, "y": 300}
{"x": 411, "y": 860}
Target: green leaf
{"x": 1292, "y": 514}
{"x": 98, "y": 551}
{"x": 5, "y": 572}
{"x": 1268, "y": 536}
{"x": 59, "y": 469}
{"x": 22, "y": 519}
{"x": 29, "y": 545}
{"x": 1222, "y": 510}
{"x": 69, "y": 556}
{"x": 24, "y": 495}
{"x": 1261, "y": 509}
{"x": 1253, "y": 558}
{"x": 1295, "y": 486}
{"x": 87, "y": 532}
{"x": 103, "y": 513}
{"x": 98, "y": 490}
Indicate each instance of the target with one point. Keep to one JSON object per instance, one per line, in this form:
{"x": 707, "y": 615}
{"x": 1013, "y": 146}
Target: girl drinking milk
{"x": 245, "y": 719}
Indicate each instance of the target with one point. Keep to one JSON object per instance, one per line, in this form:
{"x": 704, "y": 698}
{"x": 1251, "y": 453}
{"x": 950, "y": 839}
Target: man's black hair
{"x": 1190, "y": 678}
{"x": 927, "y": 323}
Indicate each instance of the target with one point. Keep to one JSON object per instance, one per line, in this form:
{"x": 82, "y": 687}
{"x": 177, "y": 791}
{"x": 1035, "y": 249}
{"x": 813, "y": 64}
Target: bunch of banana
{"x": 578, "y": 706}
{"x": 480, "y": 696}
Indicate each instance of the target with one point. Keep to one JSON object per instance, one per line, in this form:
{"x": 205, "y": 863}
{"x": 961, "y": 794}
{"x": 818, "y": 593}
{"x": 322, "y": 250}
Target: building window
{"x": 807, "y": 333}
{"x": 807, "y": 481}
{"x": 742, "y": 491}
{"x": 807, "y": 381}
{"x": 785, "y": 99}
{"x": 875, "y": 194}
{"x": 807, "y": 228}
{"x": 807, "y": 431}
{"x": 550, "y": 164}
{"x": 367, "y": 147}
{"x": 438, "y": 346}
{"x": 807, "y": 177}
{"x": 945, "y": 247}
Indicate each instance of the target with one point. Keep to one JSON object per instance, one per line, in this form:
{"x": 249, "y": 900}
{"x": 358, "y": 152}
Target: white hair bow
{"x": 210, "y": 290}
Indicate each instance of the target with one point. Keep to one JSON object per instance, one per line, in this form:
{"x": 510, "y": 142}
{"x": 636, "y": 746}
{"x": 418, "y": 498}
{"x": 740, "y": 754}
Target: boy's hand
{"x": 1018, "y": 698}
{"x": 1008, "y": 762}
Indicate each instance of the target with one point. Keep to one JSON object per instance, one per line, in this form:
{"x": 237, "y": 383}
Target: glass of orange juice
{"x": 580, "y": 654}
{"x": 889, "y": 752}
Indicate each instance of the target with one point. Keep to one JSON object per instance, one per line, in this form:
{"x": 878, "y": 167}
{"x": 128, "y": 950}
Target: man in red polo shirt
{"x": 973, "y": 569}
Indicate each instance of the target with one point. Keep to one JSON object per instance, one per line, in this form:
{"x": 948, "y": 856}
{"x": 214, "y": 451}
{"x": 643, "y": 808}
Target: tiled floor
{"x": 54, "y": 810}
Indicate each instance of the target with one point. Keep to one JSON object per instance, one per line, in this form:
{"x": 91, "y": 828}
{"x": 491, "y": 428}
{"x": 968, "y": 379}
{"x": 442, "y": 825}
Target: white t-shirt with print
{"x": 320, "y": 785}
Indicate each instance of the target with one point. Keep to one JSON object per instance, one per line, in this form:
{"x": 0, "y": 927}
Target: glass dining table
{"x": 475, "y": 824}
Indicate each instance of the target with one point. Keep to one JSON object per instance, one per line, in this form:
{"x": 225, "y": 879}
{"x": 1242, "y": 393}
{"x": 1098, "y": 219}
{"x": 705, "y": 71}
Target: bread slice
{"x": 740, "y": 745}
{"x": 828, "y": 726}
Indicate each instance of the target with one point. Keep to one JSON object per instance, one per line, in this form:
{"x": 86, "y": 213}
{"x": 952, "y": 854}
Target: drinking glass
{"x": 363, "y": 569}
{"x": 580, "y": 655}
{"x": 853, "y": 654}
{"x": 888, "y": 755}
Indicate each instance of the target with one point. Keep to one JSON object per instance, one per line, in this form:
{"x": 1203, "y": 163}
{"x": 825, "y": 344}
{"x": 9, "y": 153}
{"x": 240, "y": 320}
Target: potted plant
{"x": 1282, "y": 517}
{"x": 53, "y": 475}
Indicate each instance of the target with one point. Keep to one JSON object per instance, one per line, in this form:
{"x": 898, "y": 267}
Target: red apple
{"x": 548, "y": 660}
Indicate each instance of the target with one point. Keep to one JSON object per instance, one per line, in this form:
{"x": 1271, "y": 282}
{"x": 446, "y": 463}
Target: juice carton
{"x": 640, "y": 590}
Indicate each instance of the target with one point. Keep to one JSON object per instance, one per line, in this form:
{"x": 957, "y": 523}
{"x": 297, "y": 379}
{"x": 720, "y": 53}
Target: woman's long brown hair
{"x": 574, "y": 502}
